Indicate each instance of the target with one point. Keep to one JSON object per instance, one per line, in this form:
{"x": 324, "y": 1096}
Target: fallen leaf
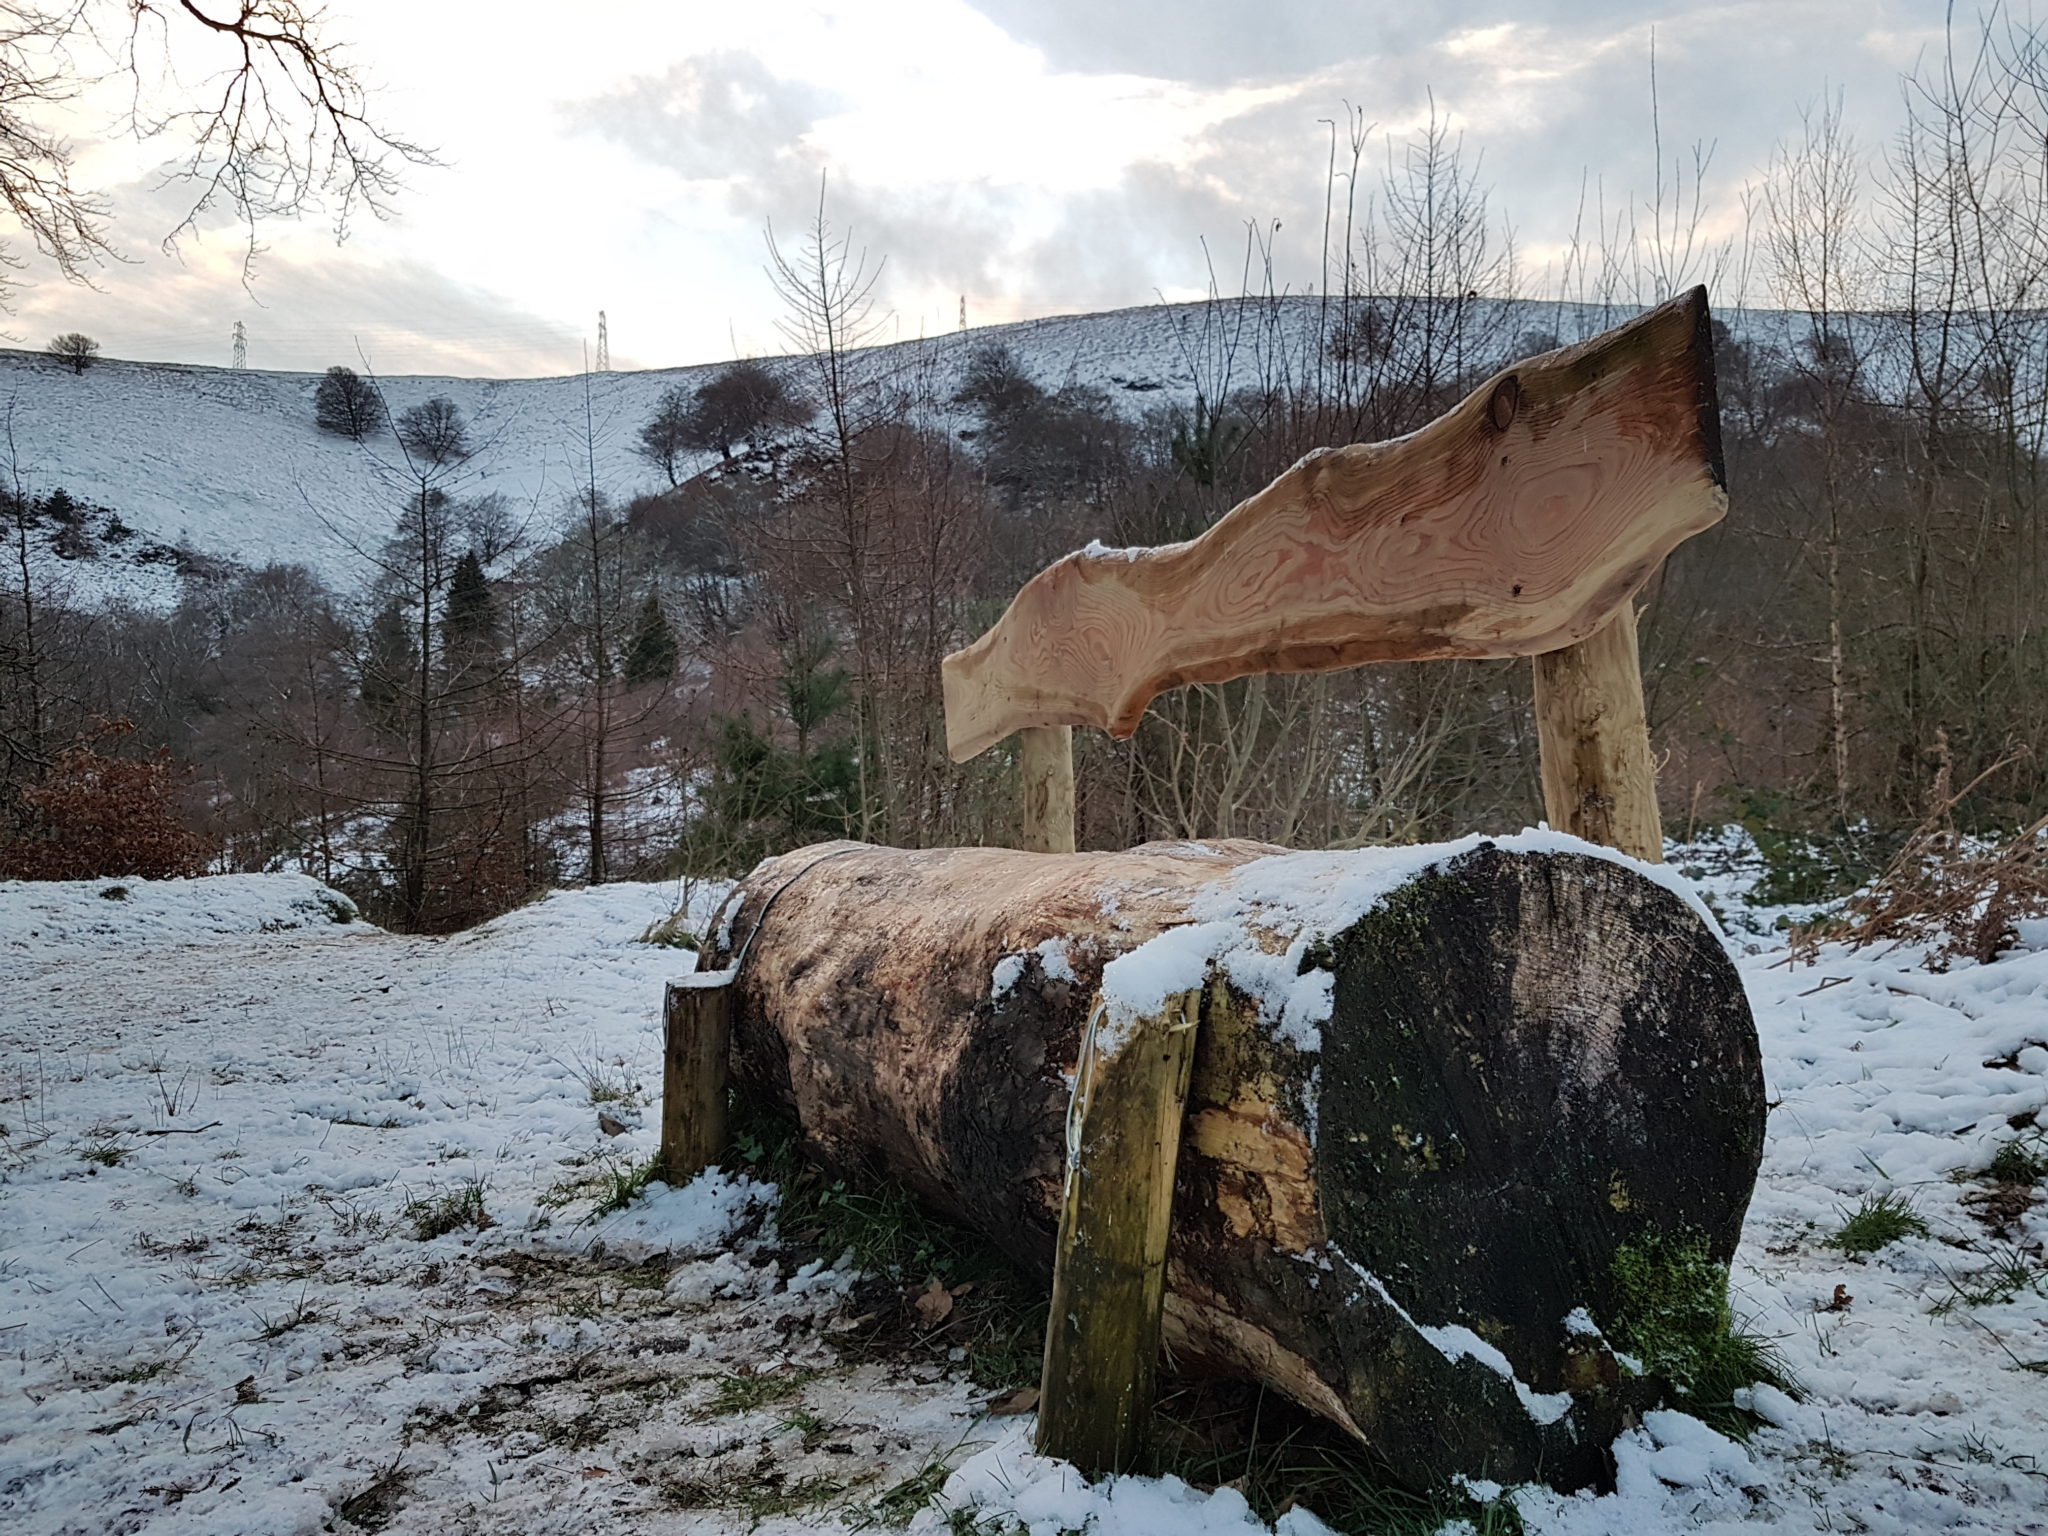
{"x": 934, "y": 1304}
{"x": 1840, "y": 1303}
{"x": 1023, "y": 1400}
{"x": 597, "y": 1471}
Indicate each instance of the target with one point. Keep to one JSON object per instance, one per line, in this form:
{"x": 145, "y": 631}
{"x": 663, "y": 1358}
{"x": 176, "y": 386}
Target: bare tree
{"x": 434, "y": 432}
{"x": 347, "y": 404}
{"x": 282, "y": 125}
{"x": 75, "y": 350}
{"x": 1819, "y": 268}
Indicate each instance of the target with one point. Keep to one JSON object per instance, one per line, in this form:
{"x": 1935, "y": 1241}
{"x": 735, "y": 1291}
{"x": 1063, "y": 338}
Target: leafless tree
{"x": 75, "y": 350}
{"x": 281, "y": 124}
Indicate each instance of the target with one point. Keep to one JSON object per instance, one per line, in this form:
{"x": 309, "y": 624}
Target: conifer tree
{"x": 388, "y": 669}
{"x": 651, "y": 656}
{"x": 472, "y": 639}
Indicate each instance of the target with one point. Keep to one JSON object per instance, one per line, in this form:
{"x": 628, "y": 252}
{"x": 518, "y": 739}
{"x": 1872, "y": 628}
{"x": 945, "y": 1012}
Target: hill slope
{"x": 228, "y": 462}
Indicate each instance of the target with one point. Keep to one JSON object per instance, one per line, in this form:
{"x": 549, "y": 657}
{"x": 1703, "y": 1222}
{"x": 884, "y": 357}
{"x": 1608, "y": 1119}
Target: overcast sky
{"x": 1034, "y": 156}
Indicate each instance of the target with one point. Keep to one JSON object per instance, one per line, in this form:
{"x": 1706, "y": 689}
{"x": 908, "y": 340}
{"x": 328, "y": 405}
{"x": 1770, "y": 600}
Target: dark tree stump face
{"x": 1519, "y": 1078}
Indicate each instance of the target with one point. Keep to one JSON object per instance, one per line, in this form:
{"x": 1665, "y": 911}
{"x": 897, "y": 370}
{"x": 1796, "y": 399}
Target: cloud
{"x": 1222, "y": 42}
{"x": 715, "y": 117}
{"x": 305, "y": 310}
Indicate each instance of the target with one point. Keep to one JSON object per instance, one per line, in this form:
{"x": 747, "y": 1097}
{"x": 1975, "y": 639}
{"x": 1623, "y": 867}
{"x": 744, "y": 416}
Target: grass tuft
{"x": 2010, "y": 1272}
{"x": 896, "y": 1506}
{"x": 2022, "y": 1160}
{"x": 671, "y": 932}
{"x": 105, "y": 1149}
{"x": 1879, "y": 1221}
{"x": 1279, "y": 1456}
{"x": 459, "y": 1208}
{"x": 1672, "y": 1313}
{"x": 998, "y": 1316}
{"x": 745, "y": 1393}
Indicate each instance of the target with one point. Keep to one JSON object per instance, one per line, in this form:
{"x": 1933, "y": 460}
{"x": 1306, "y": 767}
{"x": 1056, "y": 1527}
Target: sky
{"x": 1012, "y": 158}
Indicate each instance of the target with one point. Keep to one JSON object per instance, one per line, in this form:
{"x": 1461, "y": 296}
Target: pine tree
{"x": 388, "y": 669}
{"x": 472, "y": 640}
{"x": 651, "y": 656}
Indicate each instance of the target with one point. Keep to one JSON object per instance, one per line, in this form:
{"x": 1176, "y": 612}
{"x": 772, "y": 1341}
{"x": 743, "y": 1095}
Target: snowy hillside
{"x": 301, "y": 1237}
{"x": 229, "y": 463}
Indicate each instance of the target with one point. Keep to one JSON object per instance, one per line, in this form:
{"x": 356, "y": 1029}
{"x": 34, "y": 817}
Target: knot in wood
{"x": 1507, "y": 399}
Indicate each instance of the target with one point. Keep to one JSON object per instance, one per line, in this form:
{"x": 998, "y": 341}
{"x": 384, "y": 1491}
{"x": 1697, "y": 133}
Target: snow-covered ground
{"x": 230, "y": 1111}
{"x": 229, "y": 462}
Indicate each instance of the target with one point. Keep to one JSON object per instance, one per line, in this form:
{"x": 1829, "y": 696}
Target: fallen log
{"x": 1435, "y": 1092}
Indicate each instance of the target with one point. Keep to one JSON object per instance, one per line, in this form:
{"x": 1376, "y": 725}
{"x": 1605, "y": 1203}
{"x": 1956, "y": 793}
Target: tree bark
{"x": 1530, "y": 1059}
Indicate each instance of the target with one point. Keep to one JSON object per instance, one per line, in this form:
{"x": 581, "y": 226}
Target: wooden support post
{"x": 697, "y": 1016}
{"x": 1109, "y": 1269}
{"x": 1045, "y": 763}
{"x": 1599, "y": 780}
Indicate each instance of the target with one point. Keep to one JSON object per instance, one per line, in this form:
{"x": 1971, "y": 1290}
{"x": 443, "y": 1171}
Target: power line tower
{"x": 604, "y": 345}
{"x": 963, "y": 311}
{"x": 241, "y": 346}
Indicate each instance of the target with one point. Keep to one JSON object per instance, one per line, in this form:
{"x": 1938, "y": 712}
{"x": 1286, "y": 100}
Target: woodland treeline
{"x": 680, "y": 681}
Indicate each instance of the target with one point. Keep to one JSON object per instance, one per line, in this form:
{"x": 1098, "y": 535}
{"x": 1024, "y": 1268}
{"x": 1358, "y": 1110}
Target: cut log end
{"x": 1530, "y": 1060}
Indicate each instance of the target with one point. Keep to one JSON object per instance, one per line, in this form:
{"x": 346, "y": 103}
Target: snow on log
{"x": 1434, "y": 1091}
{"x": 1516, "y": 523}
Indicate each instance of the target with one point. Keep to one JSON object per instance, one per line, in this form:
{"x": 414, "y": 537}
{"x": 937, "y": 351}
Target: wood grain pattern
{"x": 1514, "y": 524}
{"x": 1531, "y": 1060}
{"x": 1599, "y": 779}
{"x": 1109, "y": 1266}
{"x": 1045, "y": 764}
{"x": 697, "y": 1025}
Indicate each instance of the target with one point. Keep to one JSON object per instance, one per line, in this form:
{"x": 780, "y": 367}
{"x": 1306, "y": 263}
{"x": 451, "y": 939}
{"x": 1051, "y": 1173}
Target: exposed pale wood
{"x": 697, "y": 1021}
{"x": 1531, "y": 1059}
{"x": 1045, "y": 765}
{"x": 1599, "y": 780}
{"x": 1109, "y": 1265}
{"x": 1514, "y": 524}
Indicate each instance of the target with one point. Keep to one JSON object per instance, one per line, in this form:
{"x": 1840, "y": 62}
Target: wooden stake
{"x": 1109, "y": 1269}
{"x": 697, "y": 1014}
{"x": 1045, "y": 763}
{"x": 1599, "y": 780}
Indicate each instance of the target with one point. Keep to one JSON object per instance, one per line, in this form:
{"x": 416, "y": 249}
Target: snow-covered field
{"x": 230, "y": 1111}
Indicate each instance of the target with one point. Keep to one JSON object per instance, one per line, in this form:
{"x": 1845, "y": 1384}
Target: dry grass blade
{"x": 1954, "y": 893}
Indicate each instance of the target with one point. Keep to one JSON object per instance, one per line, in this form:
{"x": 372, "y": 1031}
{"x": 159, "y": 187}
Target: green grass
{"x": 763, "y": 1492}
{"x": 1878, "y": 1222}
{"x": 670, "y": 932}
{"x": 744, "y": 1394}
{"x": 1672, "y": 1314}
{"x": 2008, "y": 1274}
{"x": 458, "y": 1208}
{"x": 623, "y": 1183}
{"x": 1278, "y": 1456}
{"x": 106, "y": 1150}
{"x": 895, "y": 1507}
{"x": 999, "y": 1321}
{"x": 2022, "y": 1160}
